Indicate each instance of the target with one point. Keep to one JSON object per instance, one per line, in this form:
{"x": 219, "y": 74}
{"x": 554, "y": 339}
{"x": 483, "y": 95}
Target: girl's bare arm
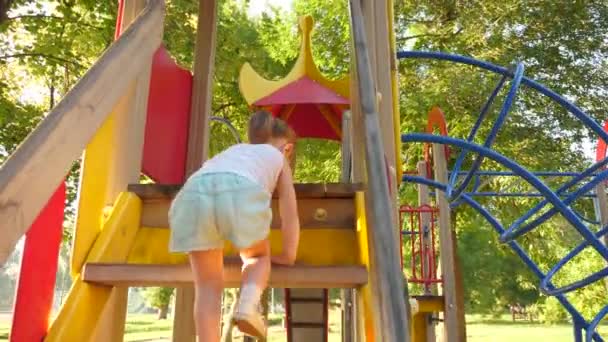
{"x": 290, "y": 223}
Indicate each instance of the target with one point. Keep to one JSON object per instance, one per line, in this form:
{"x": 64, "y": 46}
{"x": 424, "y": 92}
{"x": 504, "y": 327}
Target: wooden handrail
{"x": 391, "y": 322}
{"x": 33, "y": 172}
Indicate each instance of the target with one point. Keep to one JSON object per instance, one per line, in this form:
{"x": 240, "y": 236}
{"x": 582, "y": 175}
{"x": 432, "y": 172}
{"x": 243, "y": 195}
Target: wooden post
{"x": 391, "y": 321}
{"x": 454, "y": 319}
{"x": 348, "y": 318}
{"x": 425, "y": 218}
{"x": 183, "y": 319}
{"x": 347, "y": 147}
{"x": 204, "y": 59}
{"x": 375, "y": 16}
{"x": 602, "y": 206}
{"x": 198, "y": 142}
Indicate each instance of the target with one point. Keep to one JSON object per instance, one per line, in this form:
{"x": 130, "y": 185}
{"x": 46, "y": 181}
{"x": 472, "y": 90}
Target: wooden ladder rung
{"x": 298, "y": 276}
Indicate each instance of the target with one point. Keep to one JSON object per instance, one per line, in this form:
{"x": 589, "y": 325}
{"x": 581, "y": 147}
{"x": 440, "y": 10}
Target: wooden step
{"x": 319, "y": 205}
{"x": 301, "y": 276}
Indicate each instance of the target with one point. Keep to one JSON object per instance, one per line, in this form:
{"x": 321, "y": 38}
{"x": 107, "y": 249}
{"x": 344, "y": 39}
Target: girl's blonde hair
{"x": 263, "y": 127}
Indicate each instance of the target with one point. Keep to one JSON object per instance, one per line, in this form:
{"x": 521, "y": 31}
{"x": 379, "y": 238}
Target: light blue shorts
{"x": 215, "y": 207}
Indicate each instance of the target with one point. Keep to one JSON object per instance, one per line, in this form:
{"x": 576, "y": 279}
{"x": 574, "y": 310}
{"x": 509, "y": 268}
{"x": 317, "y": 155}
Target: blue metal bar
{"x": 516, "y": 194}
{"x": 516, "y": 229}
{"x": 508, "y": 103}
{"x": 595, "y": 322}
{"x": 578, "y": 319}
{"x": 539, "y": 206}
{"x": 482, "y": 115}
{"x": 508, "y": 173}
{"x": 530, "y": 178}
{"x": 578, "y": 333}
{"x": 577, "y": 284}
{"x": 569, "y": 106}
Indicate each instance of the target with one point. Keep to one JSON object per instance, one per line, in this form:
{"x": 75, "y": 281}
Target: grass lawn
{"x": 140, "y": 328}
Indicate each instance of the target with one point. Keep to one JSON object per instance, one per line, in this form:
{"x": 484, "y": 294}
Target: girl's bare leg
{"x": 208, "y": 270}
{"x": 256, "y": 264}
{"x": 256, "y": 270}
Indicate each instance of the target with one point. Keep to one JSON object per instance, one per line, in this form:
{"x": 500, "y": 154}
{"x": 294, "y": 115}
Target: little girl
{"x": 229, "y": 199}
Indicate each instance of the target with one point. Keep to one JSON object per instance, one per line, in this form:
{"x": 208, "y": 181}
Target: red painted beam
{"x": 36, "y": 286}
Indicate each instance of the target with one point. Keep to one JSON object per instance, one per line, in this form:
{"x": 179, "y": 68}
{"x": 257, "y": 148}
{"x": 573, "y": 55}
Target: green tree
{"x": 159, "y": 298}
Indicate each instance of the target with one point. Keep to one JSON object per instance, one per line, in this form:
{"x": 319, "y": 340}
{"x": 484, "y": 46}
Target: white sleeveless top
{"x": 260, "y": 163}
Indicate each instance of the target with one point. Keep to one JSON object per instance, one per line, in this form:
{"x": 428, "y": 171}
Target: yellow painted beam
{"x": 423, "y": 307}
{"x": 81, "y": 312}
{"x": 317, "y": 247}
{"x": 364, "y": 297}
{"x": 395, "y": 89}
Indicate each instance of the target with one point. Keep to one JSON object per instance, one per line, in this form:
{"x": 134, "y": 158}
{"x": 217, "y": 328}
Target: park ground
{"x": 145, "y": 327}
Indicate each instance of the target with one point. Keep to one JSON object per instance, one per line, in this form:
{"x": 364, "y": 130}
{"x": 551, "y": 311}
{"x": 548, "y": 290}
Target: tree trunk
{"x": 163, "y": 311}
{"x": 4, "y": 7}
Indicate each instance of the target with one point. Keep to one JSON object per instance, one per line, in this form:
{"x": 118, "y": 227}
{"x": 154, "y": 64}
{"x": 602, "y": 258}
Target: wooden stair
{"x": 307, "y": 314}
{"x": 300, "y": 276}
{"x": 327, "y": 257}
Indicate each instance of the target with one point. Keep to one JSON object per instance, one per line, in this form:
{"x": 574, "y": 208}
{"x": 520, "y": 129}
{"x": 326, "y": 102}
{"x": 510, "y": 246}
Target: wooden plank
{"x": 301, "y": 276}
{"x": 336, "y": 213}
{"x": 204, "y": 60}
{"x": 308, "y": 334}
{"x": 308, "y": 293}
{"x": 391, "y": 321}
{"x": 307, "y": 312}
{"x": 303, "y": 190}
{"x": 33, "y": 172}
{"x": 454, "y": 315}
{"x": 306, "y": 300}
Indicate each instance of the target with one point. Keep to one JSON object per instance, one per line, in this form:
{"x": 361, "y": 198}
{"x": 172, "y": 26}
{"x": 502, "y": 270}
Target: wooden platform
{"x": 298, "y": 276}
{"x": 319, "y": 205}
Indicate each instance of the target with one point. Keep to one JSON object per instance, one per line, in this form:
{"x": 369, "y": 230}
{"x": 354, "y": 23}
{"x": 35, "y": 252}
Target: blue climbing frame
{"x": 580, "y": 185}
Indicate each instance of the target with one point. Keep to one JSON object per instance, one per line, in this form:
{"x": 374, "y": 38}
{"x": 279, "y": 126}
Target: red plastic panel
{"x": 600, "y": 151}
{"x": 308, "y": 122}
{"x": 303, "y": 90}
{"x": 166, "y": 137}
{"x": 36, "y": 287}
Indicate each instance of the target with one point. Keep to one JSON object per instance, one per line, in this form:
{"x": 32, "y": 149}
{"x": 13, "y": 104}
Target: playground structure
{"x": 462, "y": 187}
{"x": 135, "y": 111}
